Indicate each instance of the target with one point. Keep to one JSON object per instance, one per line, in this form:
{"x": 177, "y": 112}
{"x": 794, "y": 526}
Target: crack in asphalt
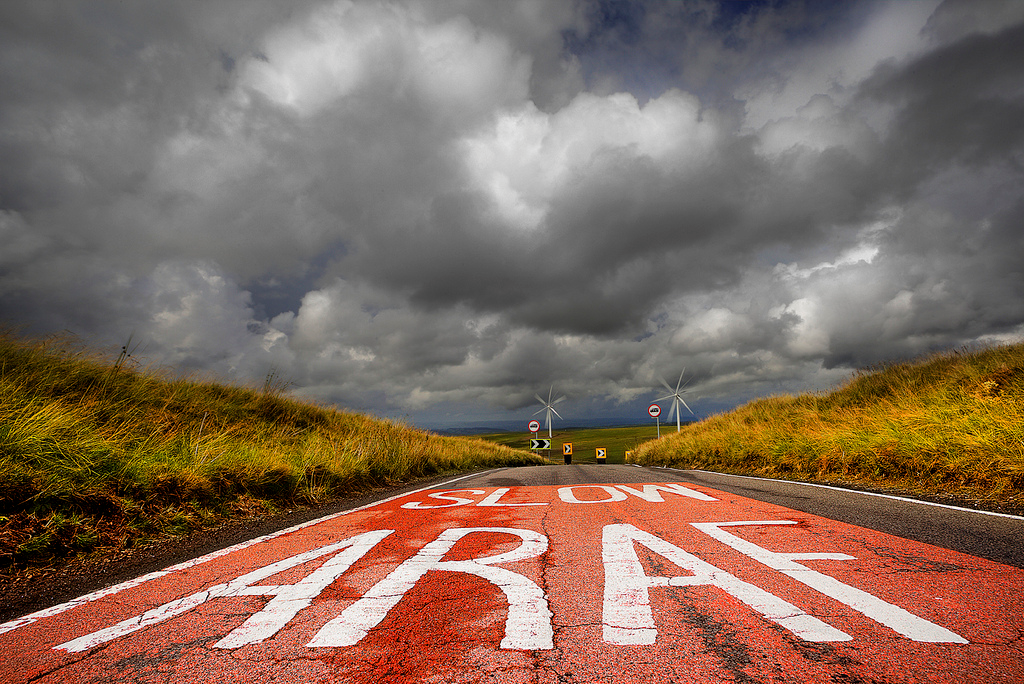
{"x": 722, "y": 640}
{"x": 826, "y": 654}
{"x": 1019, "y": 639}
{"x": 81, "y": 656}
{"x": 917, "y": 562}
{"x": 556, "y": 629}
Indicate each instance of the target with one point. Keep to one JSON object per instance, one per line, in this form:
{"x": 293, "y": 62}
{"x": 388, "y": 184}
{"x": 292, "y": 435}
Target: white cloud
{"x": 528, "y": 158}
{"x": 453, "y": 68}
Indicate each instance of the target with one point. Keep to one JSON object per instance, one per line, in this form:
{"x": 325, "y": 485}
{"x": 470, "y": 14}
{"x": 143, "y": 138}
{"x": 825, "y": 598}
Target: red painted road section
{"x": 589, "y": 583}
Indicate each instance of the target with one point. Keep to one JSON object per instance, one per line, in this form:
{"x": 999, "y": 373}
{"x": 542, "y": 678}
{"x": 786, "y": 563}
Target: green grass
{"x": 585, "y": 441}
{"x": 97, "y": 455}
{"x": 951, "y": 424}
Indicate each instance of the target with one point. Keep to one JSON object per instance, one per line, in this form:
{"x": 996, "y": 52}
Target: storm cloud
{"x": 435, "y": 210}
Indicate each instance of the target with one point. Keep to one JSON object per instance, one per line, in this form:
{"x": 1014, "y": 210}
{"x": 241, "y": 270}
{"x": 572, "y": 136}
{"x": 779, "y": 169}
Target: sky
{"x": 433, "y": 210}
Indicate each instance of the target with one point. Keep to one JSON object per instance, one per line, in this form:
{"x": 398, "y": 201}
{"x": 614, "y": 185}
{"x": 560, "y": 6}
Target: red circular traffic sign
{"x": 534, "y": 426}
{"x": 654, "y": 410}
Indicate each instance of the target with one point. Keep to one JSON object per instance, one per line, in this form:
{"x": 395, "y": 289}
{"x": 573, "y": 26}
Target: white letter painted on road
{"x": 494, "y": 497}
{"x": 649, "y": 492}
{"x": 288, "y": 599}
{"x": 627, "y": 615}
{"x": 566, "y": 494}
{"x": 444, "y": 496}
{"x": 527, "y": 627}
{"x": 893, "y": 617}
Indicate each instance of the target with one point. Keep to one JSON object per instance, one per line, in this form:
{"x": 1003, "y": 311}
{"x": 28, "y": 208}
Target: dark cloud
{"x": 438, "y": 209}
{"x": 961, "y": 104}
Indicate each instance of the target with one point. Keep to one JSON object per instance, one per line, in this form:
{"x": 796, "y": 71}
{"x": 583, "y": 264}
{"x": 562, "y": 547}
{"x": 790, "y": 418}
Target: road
{"x": 584, "y": 573}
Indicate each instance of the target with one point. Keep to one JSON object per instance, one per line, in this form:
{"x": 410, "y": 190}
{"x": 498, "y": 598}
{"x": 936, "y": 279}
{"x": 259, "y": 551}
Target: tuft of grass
{"x": 951, "y": 424}
{"x": 98, "y": 456}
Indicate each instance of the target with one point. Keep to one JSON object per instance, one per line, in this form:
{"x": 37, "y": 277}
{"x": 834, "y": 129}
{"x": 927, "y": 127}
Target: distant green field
{"x": 585, "y": 441}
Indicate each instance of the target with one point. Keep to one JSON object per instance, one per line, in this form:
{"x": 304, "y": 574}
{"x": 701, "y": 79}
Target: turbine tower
{"x": 549, "y": 408}
{"x": 676, "y": 395}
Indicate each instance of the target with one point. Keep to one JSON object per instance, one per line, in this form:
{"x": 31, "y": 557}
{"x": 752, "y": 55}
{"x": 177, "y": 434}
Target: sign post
{"x": 538, "y": 444}
{"x": 654, "y": 410}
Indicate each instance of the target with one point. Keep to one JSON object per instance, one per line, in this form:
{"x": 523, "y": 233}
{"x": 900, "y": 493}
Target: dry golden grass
{"x": 100, "y": 455}
{"x": 951, "y": 424}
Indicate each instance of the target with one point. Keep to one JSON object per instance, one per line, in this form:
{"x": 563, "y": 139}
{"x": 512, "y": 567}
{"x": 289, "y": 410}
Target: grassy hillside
{"x": 951, "y": 424}
{"x": 100, "y": 456}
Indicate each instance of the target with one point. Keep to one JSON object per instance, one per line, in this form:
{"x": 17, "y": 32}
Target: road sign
{"x": 540, "y": 443}
{"x": 654, "y": 410}
{"x": 567, "y": 449}
{"x": 602, "y": 453}
{"x": 534, "y": 426}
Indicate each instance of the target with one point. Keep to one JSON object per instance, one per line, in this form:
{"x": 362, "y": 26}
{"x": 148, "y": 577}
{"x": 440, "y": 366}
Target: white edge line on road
{"x": 117, "y": 588}
{"x": 853, "y": 491}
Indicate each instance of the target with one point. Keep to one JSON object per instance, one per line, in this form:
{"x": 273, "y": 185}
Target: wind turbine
{"x": 549, "y": 407}
{"x": 677, "y": 398}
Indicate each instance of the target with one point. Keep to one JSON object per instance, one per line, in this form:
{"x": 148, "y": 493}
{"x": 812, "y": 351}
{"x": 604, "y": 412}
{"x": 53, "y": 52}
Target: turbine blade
{"x": 672, "y": 411}
{"x": 687, "y": 407}
{"x": 680, "y": 379}
{"x": 547, "y": 420}
{"x": 539, "y": 399}
{"x": 539, "y": 410}
{"x": 667, "y": 396}
{"x": 556, "y": 413}
{"x": 667, "y": 386}
{"x": 550, "y": 390}
{"x": 561, "y": 398}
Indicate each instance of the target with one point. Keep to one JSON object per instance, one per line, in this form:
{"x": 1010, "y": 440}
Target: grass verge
{"x": 950, "y": 425}
{"x": 98, "y": 456}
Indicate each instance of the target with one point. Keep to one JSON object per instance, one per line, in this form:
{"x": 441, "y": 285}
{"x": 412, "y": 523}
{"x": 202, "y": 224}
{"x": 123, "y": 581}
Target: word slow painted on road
{"x": 592, "y": 494}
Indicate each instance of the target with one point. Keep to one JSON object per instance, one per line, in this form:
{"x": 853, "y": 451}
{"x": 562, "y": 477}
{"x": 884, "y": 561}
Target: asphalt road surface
{"x": 588, "y": 573}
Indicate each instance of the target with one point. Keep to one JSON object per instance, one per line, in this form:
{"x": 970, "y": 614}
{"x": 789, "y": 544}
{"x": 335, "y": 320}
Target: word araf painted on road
{"x": 626, "y": 613}
{"x": 585, "y": 574}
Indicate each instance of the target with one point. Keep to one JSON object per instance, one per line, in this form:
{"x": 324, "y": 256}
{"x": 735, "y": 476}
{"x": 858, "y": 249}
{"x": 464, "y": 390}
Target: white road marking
{"x": 494, "y": 498}
{"x": 444, "y": 496}
{"x": 288, "y": 599}
{"x": 649, "y": 492}
{"x": 627, "y": 615}
{"x": 117, "y": 588}
{"x": 527, "y": 627}
{"x": 849, "y": 491}
{"x": 566, "y": 494}
{"x": 893, "y": 617}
